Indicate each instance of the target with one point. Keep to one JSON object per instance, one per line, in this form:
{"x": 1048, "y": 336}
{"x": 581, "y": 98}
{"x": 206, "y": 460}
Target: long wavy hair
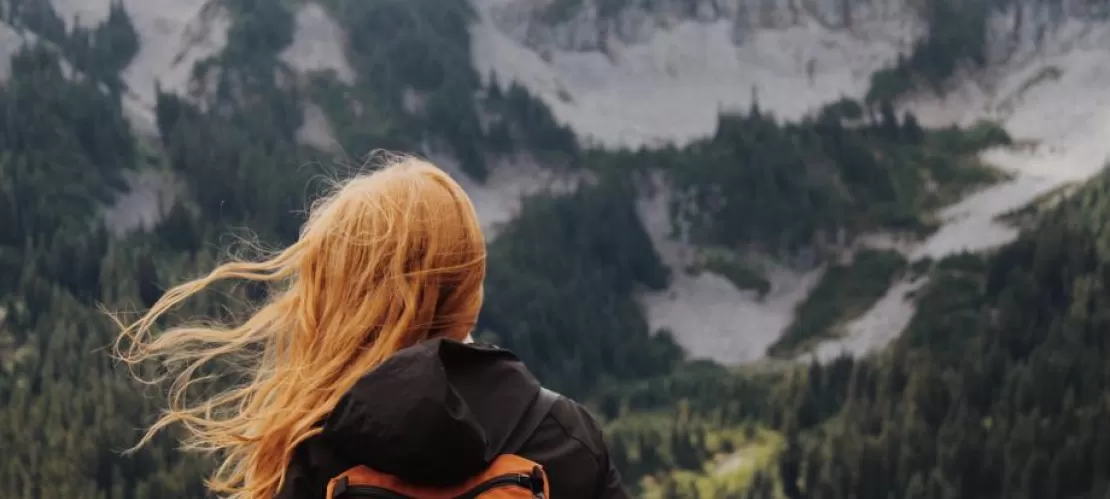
{"x": 386, "y": 260}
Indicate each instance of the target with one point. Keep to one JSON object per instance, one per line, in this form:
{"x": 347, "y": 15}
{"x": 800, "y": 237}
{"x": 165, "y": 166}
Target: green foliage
{"x": 954, "y": 296}
{"x": 997, "y": 389}
{"x": 699, "y": 425}
{"x": 65, "y": 411}
{"x": 743, "y": 275}
{"x": 523, "y": 121}
{"x": 740, "y": 468}
{"x": 781, "y": 187}
{"x": 417, "y": 90}
{"x": 994, "y": 392}
{"x": 956, "y": 34}
{"x": 845, "y": 292}
{"x": 38, "y": 17}
{"x": 982, "y": 135}
{"x": 418, "y": 48}
{"x": 559, "y": 11}
{"x": 594, "y": 250}
{"x": 99, "y": 53}
{"x": 715, "y": 392}
{"x": 227, "y": 163}
{"x": 261, "y": 29}
{"x": 103, "y": 52}
{"x": 52, "y": 129}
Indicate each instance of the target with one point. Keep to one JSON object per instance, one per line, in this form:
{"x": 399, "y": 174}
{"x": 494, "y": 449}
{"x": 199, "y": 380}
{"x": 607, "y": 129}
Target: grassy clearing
{"x": 741, "y": 453}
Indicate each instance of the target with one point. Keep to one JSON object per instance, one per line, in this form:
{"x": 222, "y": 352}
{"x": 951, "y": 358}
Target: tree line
{"x": 982, "y": 364}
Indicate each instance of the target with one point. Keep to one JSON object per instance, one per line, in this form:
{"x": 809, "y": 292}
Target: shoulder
{"x": 310, "y": 468}
{"x": 579, "y": 424}
{"x": 570, "y": 446}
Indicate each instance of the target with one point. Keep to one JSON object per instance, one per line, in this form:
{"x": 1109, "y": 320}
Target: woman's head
{"x": 385, "y": 261}
{"x": 400, "y": 247}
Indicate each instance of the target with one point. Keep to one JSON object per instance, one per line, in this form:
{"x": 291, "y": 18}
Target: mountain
{"x": 630, "y": 74}
{"x": 721, "y": 187}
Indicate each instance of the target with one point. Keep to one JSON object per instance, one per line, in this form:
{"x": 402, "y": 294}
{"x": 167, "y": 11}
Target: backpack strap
{"x": 531, "y": 421}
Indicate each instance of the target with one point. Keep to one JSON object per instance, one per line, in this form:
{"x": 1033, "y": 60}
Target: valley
{"x": 795, "y": 215}
{"x": 651, "y": 70}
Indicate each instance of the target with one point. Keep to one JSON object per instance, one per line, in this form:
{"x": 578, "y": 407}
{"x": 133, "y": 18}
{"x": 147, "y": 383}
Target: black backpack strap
{"x": 531, "y": 420}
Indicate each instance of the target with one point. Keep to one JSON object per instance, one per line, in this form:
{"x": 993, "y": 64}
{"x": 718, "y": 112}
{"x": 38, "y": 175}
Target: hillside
{"x": 609, "y": 69}
{"x": 702, "y": 309}
{"x": 736, "y": 183}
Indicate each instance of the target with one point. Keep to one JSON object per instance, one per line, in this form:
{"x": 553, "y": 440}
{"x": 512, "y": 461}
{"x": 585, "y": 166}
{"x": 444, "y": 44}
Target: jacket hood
{"x": 433, "y": 414}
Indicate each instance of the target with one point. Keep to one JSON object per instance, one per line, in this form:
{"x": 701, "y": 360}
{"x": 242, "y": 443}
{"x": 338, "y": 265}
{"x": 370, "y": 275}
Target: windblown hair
{"x": 385, "y": 261}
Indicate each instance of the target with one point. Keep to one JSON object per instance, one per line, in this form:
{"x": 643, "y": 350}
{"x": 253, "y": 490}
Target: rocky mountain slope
{"x": 631, "y": 74}
{"x": 768, "y": 216}
{"x": 639, "y": 75}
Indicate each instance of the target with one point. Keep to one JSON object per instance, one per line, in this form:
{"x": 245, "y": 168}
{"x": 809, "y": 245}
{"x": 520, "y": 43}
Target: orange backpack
{"x": 510, "y": 476}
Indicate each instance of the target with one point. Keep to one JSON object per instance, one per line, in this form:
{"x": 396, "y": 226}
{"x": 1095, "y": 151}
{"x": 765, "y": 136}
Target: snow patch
{"x": 10, "y": 42}
{"x": 878, "y": 326}
{"x": 1052, "y": 96}
{"x": 175, "y": 35}
{"x": 1058, "y": 103}
{"x": 150, "y": 196}
{"x": 318, "y": 44}
{"x": 141, "y": 116}
{"x": 888, "y": 241}
{"x": 86, "y": 13}
{"x": 668, "y": 84}
{"x": 671, "y": 87}
{"x": 970, "y": 224}
{"x": 316, "y": 131}
{"x": 708, "y": 315}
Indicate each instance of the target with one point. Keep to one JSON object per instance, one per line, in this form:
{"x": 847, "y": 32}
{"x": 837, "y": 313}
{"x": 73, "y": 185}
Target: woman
{"x": 361, "y": 356}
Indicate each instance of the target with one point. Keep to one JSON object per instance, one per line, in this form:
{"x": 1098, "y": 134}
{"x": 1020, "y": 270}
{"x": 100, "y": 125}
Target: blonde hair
{"x": 387, "y": 260}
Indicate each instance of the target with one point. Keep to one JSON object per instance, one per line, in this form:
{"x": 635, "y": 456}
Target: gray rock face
{"x": 586, "y": 26}
{"x": 589, "y": 25}
{"x": 1027, "y": 28}
{"x": 582, "y": 33}
{"x": 633, "y": 25}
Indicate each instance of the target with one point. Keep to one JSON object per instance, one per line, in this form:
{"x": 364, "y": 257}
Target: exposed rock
{"x": 705, "y": 12}
{"x": 582, "y": 33}
{"x": 10, "y": 42}
{"x": 633, "y": 25}
{"x": 316, "y": 131}
{"x": 525, "y": 22}
{"x": 318, "y": 44}
{"x": 151, "y": 194}
{"x": 175, "y": 35}
{"x": 413, "y": 102}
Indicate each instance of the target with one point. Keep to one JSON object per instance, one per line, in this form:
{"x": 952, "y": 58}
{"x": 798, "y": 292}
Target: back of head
{"x": 387, "y": 260}
{"x": 393, "y": 258}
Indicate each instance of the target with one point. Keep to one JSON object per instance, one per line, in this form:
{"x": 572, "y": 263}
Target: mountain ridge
{"x": 197, "y": 30}
{"x": 975, "y": 375}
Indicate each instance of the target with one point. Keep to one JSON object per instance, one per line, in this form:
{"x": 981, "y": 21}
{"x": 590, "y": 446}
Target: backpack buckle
{"x": 537, "y": 482}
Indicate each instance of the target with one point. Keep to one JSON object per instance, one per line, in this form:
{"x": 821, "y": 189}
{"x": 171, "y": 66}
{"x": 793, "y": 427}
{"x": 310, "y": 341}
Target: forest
{"x": 995, "y": 390}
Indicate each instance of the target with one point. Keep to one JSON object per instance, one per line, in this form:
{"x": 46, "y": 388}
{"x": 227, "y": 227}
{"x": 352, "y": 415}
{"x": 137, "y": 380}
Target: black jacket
{"x": 438, "y": 413}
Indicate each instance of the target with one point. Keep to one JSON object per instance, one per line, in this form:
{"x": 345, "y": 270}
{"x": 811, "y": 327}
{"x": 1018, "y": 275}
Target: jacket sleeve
{"x": 570, "y": 445}
{"x": 309, "y": 471}
{"x": 609, "y": 484}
